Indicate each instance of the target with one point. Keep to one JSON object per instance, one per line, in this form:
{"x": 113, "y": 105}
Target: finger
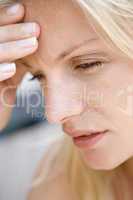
{"x": 17, "y": 49}
{"x": 11, "y": 13}
{"x": 7, "y": 70}
{"x": 18, "y": 31}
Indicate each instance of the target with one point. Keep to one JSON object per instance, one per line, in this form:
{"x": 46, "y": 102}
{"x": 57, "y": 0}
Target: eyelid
{"x": 79, "y": 60}
{"x": 92, "y": 57}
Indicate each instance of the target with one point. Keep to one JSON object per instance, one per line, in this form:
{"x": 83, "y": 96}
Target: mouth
{"x": 86, "y": 139}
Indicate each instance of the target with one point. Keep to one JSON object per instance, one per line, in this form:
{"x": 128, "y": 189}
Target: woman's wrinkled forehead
{"x": 63, "y": 25}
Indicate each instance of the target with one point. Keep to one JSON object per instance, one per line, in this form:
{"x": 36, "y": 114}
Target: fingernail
{"x": 31, "y": 28}
{"x": 13, "y": 9}
{"x": 28, "y": 42}
{"x": 6, "y": 76}
{"x": 8, "y": 68}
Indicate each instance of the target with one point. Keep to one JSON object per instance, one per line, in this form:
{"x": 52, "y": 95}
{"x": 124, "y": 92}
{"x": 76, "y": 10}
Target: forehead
{"x": 63, "y": 25}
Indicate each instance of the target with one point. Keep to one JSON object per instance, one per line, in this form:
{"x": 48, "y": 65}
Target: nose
{"x": 61, "y": 104}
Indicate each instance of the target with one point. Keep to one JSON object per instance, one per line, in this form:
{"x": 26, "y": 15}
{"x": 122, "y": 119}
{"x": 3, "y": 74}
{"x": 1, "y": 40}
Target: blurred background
{"x": 24, "y": 141}
{"x": 29, "y": 108}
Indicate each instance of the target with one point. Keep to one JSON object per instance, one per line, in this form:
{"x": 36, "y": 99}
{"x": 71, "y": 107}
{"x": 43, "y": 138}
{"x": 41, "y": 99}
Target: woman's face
{"x": 83, "y": 97}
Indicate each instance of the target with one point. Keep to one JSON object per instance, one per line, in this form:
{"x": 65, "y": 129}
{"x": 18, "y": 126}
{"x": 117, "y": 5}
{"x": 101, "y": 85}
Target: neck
{"x": 123, "y": 181}
{"x": 128, "y": 168}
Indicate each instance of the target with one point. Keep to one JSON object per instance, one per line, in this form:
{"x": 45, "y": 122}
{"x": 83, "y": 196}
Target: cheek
{"x": 118, "y": 111}
{"x": 117, "y": 106}
{"x": 116, "y": 86}
{"x": 117, "y": 147}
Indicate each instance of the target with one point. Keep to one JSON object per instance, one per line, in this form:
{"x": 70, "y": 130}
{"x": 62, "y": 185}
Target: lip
{"x": 88, "y": 141}
{"x": 85, "y": 139}
{"x": 77, "y": 133}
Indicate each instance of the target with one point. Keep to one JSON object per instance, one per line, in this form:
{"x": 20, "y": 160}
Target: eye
{"x": 92, "y": 67}
{"x": 37, "y": 76}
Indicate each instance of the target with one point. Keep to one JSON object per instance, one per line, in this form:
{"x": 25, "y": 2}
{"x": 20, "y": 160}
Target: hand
{"x": 17, "y": 40}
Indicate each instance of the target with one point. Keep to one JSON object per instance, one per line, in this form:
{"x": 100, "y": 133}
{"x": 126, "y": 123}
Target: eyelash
{"x": 84, "y": 66}
{"x": 37, "y": 77}
{"x": 91, "y": 66}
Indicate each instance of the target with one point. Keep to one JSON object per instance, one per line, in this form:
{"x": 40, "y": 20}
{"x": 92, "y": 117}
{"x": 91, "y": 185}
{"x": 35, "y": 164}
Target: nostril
{"x": 67, "y": 119}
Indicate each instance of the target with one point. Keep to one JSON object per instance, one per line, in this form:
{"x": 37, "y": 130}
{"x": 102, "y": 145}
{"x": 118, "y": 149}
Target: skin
{"x": 63, "y": 25}
{"x": 12, "y": 47}
{"x": 65, "y": 103}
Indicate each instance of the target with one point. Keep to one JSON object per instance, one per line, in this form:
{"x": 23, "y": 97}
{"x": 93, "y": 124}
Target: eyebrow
{"x": 68, "y": 52}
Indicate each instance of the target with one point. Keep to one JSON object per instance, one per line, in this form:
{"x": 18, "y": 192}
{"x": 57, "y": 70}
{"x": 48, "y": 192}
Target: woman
{"x": 85, "y": 65}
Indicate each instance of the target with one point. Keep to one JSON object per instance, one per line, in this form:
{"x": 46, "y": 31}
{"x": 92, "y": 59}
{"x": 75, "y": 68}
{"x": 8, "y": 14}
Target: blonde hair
{"x": 113, "y": 21}
{"x": 6, "y": 2}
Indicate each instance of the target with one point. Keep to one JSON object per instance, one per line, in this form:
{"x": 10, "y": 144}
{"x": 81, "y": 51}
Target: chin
{"x": 100, "y": 163}
{"x": 101, "y": 166}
